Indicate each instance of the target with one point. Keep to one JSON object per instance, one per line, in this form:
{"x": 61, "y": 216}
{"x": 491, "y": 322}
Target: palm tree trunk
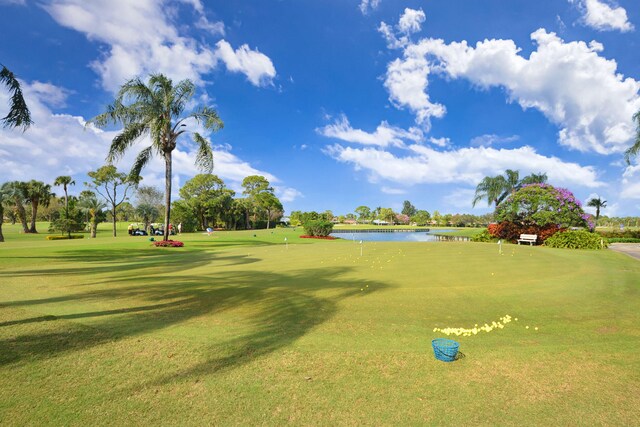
{"x": 1, "y": 217}
{"x": 22, "y": 216}
{"x": 94, "y": 227}
{"x": 167, "y": 193}
{"x": 34, "y": 213}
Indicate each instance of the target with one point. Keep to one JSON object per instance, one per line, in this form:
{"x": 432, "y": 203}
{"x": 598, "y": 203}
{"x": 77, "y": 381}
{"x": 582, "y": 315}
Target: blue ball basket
{"x": 444, "y": 349}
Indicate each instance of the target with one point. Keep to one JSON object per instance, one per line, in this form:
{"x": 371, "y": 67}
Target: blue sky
{"x": 341, "y": 103}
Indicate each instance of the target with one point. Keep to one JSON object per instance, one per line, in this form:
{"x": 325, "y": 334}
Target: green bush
{"x": 629, "y": 234}
{"x": 484, "y": 237}
{"x": 579, "y": 239}
{"x": 623, "y": 240}
{"x": 73, "y": 236}
{"x": 318, "y": 227}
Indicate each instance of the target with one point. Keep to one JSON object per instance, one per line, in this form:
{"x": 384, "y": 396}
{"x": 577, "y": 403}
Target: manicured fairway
{"x": 241, "y": 330}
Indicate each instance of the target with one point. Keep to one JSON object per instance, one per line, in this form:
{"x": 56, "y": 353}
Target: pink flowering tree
{"x": 542, "y": 205}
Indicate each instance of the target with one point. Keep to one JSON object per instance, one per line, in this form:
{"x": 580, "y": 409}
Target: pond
{"x": 399, "y": 236}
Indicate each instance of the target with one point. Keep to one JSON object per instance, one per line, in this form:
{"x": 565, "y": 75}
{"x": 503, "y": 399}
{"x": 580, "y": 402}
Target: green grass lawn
{"x": 239, "y": 329}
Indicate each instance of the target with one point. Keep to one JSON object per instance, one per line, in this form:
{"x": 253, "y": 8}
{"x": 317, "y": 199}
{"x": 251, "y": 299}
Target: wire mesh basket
{"x": 445, "y": 349}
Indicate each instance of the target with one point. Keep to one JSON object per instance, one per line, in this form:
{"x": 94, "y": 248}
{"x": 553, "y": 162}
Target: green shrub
{"x": 73, "y": 236}
{"x": 318, "y": 227}
{"x": 630, "y": 234}
{"x": 623, "y": 240}
{"x": 484, "y": 237}
{"x": 579, "y": 239}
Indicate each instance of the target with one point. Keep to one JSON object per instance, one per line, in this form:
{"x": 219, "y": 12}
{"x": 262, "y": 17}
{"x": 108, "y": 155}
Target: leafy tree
{"x": 182, "y": 213}
{"x": 436, "y": 217}
{"x": 270, "y": 203}
{"x": 70, "y": 220}
{"x": 156, "y": 110}
{"x": 19, "y": 115}
{"x": 38, "y": 193}
{"x": 364, "y": 213}
{"x": 255, "y": 186}
{"x": 421, "y": 217}
{"x": 65, "y": 181}
{"x": 200, "y": 193}
{"x": 542, "y": 205}
{"x": 597, "y": 203}
{"x": 634, "y": 150}
{"x": 408, "y": 209}
{"x": 327, "y": 215}
{"x": 387, "y": 214}
{"x": 126, "y": 212}
{"x": 15, "y": 194}
{"x": 149, "y": 195}
{"x": 106, "y": 181}
{"x": 93, "y": 209}
{"x": 496, "y": 189}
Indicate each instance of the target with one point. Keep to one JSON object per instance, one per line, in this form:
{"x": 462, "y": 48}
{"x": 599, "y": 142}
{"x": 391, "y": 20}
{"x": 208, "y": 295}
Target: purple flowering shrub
{"x": 543, "y": 205}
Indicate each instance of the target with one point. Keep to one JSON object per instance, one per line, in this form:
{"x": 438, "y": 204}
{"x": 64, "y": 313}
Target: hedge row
{"x": 73, "y": 236}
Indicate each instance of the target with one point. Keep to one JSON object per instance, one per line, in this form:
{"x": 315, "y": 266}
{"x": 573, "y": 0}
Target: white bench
{"x": 531, "y": 239}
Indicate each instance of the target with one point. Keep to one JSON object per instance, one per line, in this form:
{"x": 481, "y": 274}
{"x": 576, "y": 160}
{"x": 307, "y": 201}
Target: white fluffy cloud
{"x": 384, "y": 135}
{"x": 631, "y": 183}
{"x": 603, "y": 16}
{"x": 570, "y": 83}
{"x": 141, "y": 39}
{"x": 255, "y": 65}
{"x": 60, "y": 144}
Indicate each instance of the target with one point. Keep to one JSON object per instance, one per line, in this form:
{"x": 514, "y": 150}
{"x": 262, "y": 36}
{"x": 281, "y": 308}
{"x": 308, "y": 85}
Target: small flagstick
{"x": 500, "y": 247}
{"x": 286, "y": 244}
{"x": 360, "y": 247}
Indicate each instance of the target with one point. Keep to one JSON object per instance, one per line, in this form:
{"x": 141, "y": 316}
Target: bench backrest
{"x": 528, "y": 237}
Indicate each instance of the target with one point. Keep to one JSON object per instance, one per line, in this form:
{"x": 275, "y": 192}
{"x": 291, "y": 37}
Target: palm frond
{"x": 634, "y": 150}
{"x": 124, "y": 140}
{"x": 143, "y": 158}
{"x": 182, "y": 93}
{"x": 204, "y": 158}
{"x": 208, "y": 117}
{"x": 19, "y": 115}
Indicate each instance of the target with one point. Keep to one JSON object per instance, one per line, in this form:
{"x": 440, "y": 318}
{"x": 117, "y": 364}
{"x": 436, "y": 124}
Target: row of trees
{"x": 205, "y": 201}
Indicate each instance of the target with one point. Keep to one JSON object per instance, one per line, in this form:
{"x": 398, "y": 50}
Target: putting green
{"x": 237, "y": 329}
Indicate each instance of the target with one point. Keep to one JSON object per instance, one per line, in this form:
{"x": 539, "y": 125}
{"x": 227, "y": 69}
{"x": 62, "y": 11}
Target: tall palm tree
{"x": 38, "y": 193}
{"x": 19, "y": 115}
{"x": 490, "y": 188}
{"x": 497, "y": 188}
{"x": 65, "y": 181}
{"x": 16, "y": 194}
{"x": 155, "y": 109}
{"x": 597, "y": 203}
{"x": 634, "y": 150}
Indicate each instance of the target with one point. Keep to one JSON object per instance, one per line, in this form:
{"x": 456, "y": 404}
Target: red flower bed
{"x": 319, "y": 237}
{"x": 511, "y": 231}
{"x": 168, "y": 244}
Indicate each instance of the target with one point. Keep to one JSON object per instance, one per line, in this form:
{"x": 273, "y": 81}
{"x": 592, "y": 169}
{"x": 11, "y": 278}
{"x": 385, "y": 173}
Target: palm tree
{"x": 16, "y": 194}
{"x": 93, "y": 208}
{"x": 497, "y": 188}
{"x": 154, "y": 109}
{"x": 65, "y": 181}
{"x": 19, "y": 115}
{"x": 597, "y": 203}
{"x": 490, "y": 188}
{"x": 38, "y": 193}
{"x": 634, "y": 150}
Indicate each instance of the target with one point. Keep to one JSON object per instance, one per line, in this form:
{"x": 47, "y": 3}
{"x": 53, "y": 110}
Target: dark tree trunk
{"x": 34, "y": 213}
{"x": 22, "y": 216}
{"x": 1, "y": 216}
{"x": 113, "y": 212}
{"x": 167, "y": 193}
{"x": 94, "y": 228}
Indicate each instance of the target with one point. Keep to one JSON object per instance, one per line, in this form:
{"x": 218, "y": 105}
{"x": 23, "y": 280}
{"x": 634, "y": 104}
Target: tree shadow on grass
{"x": 283, "y": 308}
{"x": 160, "y": 260}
